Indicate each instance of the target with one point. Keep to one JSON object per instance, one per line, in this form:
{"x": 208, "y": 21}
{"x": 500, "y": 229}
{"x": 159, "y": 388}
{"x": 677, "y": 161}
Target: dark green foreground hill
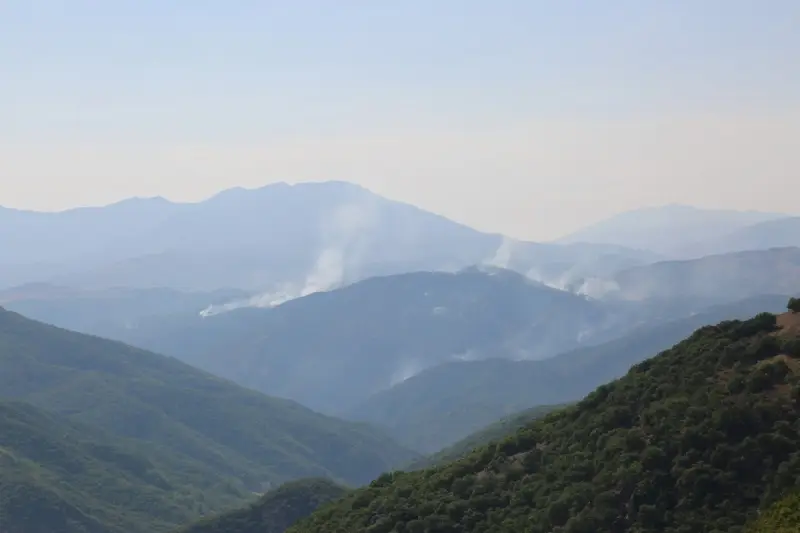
{"x": 217, "y": 442}
{"x": 493, "y": 432}
{"x": 275, "y": 511}
{"x": 696, "y": 439}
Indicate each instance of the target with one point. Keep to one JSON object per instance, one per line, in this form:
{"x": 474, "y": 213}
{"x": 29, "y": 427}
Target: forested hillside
{"x": 781, "y": 517}
{"x": 70, "y": 478}
{"x": 698, "y": 438}
{"x": 253, "y": 440}
{"x": 275, "y": 511}
{"x": 494, "y": 432}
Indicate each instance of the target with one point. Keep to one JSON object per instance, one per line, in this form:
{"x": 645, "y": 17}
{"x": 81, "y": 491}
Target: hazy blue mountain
{"x": 294, "y": 238}
{"x": 712, "y": 279}
{"x": 448, "y": 402}
{"x": 670, "y": 229}
{"x": 251, "y": 440}
{"x": 780, "y": 233}
{"x": 331, "y": 350}
{"x": 106, "y": 312}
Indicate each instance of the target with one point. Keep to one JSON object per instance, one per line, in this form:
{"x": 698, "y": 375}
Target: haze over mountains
{"x": 278, "y": 239}
{"x": 232, "y": 285}
{"x": 681, "y": 231}
{"x": 319, "y": 330}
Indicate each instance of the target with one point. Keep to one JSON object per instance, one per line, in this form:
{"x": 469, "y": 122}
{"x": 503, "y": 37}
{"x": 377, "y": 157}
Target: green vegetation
{"x": 225, "y": 442}
{"x": 794, "y": 305}
{"x": 65, "y": 477}
{"x": 698, "y": 438}
{"x": 275, "y": 511}
{"x": 497, "y": 431}
{"x": 782, "y": 517}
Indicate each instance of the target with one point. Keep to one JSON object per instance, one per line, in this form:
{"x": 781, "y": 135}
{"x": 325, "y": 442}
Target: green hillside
{"x": 60, "y": 476}
{"x": 255, "y": 441}
{"x": 275, "y": 511}
{"x": 494, "y": 432}
{"x": 698, "y": 438}
{"x": 782, "y": 517}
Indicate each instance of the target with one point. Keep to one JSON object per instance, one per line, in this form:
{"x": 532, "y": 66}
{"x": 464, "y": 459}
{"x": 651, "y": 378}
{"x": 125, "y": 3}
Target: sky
{"x": 528, "y": 117}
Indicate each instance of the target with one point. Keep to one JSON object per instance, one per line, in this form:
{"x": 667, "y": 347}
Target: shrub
{"x": 794, "y": 305}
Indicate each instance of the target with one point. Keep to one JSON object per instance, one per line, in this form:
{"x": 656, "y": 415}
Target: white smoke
{"x": 407, "y": 370}
{"x": 503, "y": 255}
{"x": 598, "y": 288}
{"x": 468, "y": 355}
{"x": 345, "y": 235}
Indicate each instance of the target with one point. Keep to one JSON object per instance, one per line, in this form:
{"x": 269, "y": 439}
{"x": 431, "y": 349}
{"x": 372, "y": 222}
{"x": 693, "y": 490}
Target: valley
{"x": 413, "y": 360}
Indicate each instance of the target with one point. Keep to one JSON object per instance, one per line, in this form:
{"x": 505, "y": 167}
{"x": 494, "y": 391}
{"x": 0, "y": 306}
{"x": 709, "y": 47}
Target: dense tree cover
{"x": 233, "y": 433}
{"x": 494, "y": 432}
{"x": 781, "y": 517}
{"x": 65, "y": 477}
{"x": 444, "y": 404}
{"x": 275, "y": 511}
{"x": 794, "y": 305}
{"x": 698, "y": 438}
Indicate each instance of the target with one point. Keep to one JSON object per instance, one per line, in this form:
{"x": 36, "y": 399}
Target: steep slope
{"x": 712, "y": 279}
{"x": 372, "y": 334}
{"x": 59, "y": 476}
{"x": 669, "y": 229}
{"x": 277, "y": 238}
{"x": 698, "y": 438}
{"x": 275, "y": 511}
{"x": 441, "y": 405}
{"x": 494, "y": 432}
{"x": 237, "y": 433}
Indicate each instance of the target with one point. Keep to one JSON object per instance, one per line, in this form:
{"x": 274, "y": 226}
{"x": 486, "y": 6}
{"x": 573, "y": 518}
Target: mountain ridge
{"x": 677, "y": 444}
{"x": 131, "y": 393}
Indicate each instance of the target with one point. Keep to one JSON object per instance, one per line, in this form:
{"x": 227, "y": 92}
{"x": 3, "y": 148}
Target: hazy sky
{"x": 529, "y": 117}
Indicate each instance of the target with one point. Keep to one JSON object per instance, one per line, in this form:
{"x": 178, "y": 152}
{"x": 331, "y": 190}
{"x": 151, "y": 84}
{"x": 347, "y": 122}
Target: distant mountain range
{"x": 281, "y": 240}
{"x": 713, "y": 279}
{"x": 680, "y": 231}
{"x": 448, "y": 402}
{"x": 331, "y": 350}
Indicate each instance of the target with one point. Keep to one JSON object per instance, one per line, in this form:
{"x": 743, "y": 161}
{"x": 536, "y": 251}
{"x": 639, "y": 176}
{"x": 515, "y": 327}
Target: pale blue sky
{"x": 508, "y": 114}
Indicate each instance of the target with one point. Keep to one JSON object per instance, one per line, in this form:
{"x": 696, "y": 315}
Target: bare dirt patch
{"x": 789, "y": 324}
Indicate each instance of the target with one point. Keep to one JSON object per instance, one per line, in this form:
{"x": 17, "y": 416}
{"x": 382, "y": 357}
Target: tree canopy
{"x": 698, "y": 438}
